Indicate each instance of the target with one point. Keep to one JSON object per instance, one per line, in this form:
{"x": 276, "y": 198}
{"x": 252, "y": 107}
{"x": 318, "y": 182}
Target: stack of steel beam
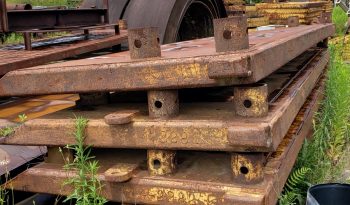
{"x": 278, "y": 13}
{"x": 209, "y": 121}
{"x": 255, "y": 19}
{"x": 234, "y": 7}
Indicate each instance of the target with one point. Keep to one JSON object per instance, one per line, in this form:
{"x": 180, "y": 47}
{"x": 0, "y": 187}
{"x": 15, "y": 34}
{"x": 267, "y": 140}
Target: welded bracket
{"x": 161, "y": 162}
{"x": 247, "y": 168}
{"x": 251, "y": 100}
{"x": 231, "y": 34}
{"x": 293, "y": 21}
{"x": 144, "y": 43}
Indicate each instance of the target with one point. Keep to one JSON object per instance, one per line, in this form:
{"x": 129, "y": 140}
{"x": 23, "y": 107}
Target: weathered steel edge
{"x": 144, "y": 189}
{"x": 280, "y": 126}
{"x": 64, "y": 53}
{"x": 260, "y": 135}
{"x": 162, "y": 73}
{"x": 271, "y": 59}
{"x": 276, "y": 163}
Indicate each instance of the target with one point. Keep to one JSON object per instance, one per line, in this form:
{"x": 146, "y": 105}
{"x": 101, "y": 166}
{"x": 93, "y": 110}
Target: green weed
{"x": 7, "y": 131}
{"x": 325, "y": 151}
{"x": 87, "y": 187}
{"x": 340, "y": 19}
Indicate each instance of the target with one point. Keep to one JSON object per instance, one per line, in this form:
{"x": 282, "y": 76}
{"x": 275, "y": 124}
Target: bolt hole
{"x": 137, "y": 43}
{"x": 158, "y": 104}
{"x": 244, "y": 170}
{"x": 156, "y": 164}
{"x": 247, "y": 103}
{"x": 227, "y": 34}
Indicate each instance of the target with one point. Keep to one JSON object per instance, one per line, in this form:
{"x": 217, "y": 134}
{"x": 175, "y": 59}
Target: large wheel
{"x": 177, "y": 20}
{"x": 191, "y": 19}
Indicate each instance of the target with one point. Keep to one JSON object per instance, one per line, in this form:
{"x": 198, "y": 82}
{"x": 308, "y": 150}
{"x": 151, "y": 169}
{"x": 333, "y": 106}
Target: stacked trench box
{"x": 211, "y": 121}
{"x": 306, "y": 12}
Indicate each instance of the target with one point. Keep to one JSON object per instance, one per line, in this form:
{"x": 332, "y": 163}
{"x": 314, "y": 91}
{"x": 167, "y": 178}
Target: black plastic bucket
{"x": 329, "y": 194}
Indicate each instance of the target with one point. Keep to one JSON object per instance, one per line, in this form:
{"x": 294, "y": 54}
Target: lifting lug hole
{"x": 137, "y": 43}
{"x": 244, "y": 170}
{"x": 227, "y": 34}
{"x": 158, "y": 104}
{"x": 156, "y": 164}
{"x": 247, "y": 103}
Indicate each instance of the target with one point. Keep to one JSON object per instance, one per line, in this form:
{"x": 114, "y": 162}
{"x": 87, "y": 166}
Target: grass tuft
{"x": 340, "y": 19}
{"x": 87, "y": 187}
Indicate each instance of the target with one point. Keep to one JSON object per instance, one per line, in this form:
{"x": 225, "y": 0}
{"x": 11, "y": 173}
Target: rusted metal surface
{"x": 121, "y": 172}
{"x": 27, "y": 34}
{"x": 200, "y": 126}
{"x": 3, "y": 17}
{"x": 234, "y": 7}
{"x": 248, "y": 168}
{"x": 163, "y": 104}
{"x": 120, "y": 118}
{"x": 12, "y": 157}
{"x": 161, "y": 162}
{"x": 197, "y": 179}
{"x": 144, "y": 43}
{"x": 59, "y": 155}
{"x": 279, "y": 13}
{"x": 17, "y": 59}
{"x": 258, "y": 21}
{"x": 251, "y": 101}
{"x": 19, "y": 20}
{"x": 35, "y": 107}
{"x": 293, "y": 21}
{"x": 184, "y": 64}
{"x": 231, "y": 34}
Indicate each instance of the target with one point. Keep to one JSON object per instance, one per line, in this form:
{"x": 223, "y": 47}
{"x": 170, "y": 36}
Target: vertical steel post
{"x": 144, "y": 43}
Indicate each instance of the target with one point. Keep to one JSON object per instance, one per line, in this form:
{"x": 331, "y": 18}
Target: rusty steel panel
{"x": 3, "y": 17}
{"x": 200, "y": 126}
{"x": 17, "y": 59}
{"x": 182, "y": 65}
{"x": 197, "y": 179}
{"x": 35, "y": 107}
{"x": 144, "y": 43}
{"x": 290, "y": 5}
{"x": 19, "y": 20}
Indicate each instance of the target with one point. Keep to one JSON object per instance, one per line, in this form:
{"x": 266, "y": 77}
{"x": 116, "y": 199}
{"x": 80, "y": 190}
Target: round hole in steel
{"x": 244, "y": 170}
{"x": 156, "y": 164}
{"x": 137, "y": 43}
{"x": 158, "y": 104}
{"x": 247, "y": 103}
{"x": 227, "y": 34}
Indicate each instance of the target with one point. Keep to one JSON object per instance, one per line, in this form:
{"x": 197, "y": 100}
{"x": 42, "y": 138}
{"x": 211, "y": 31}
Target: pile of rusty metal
{"x": 21, "y": 18}
{"x": 307, "y": 12}
{"x": 234, "y": 7}
{"x": 210, "y": 121}
{"x": 255, "y": 19}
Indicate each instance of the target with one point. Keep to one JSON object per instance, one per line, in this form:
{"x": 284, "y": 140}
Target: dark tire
{"x": 191, "y": 19}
